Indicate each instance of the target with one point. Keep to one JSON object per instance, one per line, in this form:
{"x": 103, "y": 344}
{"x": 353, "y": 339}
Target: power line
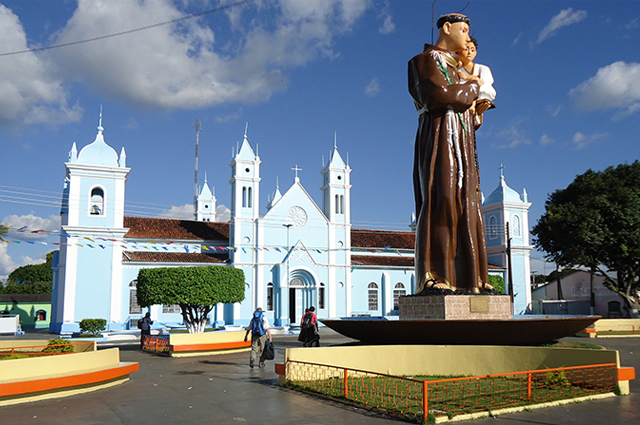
{"x": 117, "y": 34}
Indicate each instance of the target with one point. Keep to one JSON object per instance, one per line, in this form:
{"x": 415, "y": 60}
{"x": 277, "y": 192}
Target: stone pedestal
{"x": 455, "y": 307}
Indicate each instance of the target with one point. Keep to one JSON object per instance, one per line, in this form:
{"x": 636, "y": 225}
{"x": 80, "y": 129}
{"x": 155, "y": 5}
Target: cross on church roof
{"x": 296, "y": 169}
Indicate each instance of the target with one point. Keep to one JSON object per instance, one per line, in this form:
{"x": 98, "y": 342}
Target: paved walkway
{"x": 224, "y": 390}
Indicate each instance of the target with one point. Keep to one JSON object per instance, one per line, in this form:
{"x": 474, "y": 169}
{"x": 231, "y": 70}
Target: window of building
{"x": 515, "y": 223}
{"x": 134, "y": 308}
{"x": 41, "y": 315}
{"x": 244, "y": 197}
{"x": 173, "y": 308}
{"x": 249, "y": 197}
{"x": 398, "y": 291}
{"x": 493, "y": 227}
{"x": 269, "y": 296}
{"x": 96, "y": 205}
{"x": 321, "y": 296}
{"x": 373, "y": 296}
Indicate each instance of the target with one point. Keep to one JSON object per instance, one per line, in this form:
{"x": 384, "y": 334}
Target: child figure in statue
{"x": 468, "y": 70}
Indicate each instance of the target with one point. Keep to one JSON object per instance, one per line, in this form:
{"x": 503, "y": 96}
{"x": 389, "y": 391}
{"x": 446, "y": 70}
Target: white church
{"x": 294, "y": 252}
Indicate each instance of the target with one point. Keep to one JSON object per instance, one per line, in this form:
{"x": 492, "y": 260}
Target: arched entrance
{"x": 301, "y": 294}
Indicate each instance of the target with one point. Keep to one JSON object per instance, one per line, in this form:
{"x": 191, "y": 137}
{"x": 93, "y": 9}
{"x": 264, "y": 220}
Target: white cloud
{"x": 30, "y": 227}
{"x": 546, "y": 140}
{"x": 197, "y": 70}
{"x": 580, "y": 140}
{"x": 387, "y": 26}
{"x": 223, "y": 213}
{"x": 373, "y": 88}
{"x": 562, "y": 19}
{"x": 513, "y": 135}
{"x": 554, "y": 110}
{"x": 183, "y": 212}
{"x": 614, "y": 86}
{"x": 7, "y": 265}
{"x": 29, "y": 91}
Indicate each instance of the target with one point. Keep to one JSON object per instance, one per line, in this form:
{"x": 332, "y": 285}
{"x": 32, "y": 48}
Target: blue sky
{"x": 566, "y": 74}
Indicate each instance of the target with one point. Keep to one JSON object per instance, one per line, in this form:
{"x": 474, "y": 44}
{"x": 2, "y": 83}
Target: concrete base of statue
{"x": 455, "y": 307}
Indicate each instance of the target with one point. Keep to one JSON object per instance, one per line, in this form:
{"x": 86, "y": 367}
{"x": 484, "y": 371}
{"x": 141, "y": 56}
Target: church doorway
{"x": 301, "y": 296}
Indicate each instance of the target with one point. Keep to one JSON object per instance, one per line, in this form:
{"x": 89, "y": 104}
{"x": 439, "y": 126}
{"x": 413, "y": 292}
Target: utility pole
{"x": 195, "y": 183}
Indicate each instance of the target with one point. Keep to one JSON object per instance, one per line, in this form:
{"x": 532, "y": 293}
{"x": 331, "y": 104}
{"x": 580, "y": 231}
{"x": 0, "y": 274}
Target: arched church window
{"x": 269, "y": 296}
{"x": 249, "y": 197}
{"x": 515, "y": 223}
{"x": 337, "y": 204}
{"x": 493, "y": 227}
{"x": 134, "y": 308}
{"x": 96, "y": 205}
{"x": 321, "y": 296}
{"x": 341, "y": 204}
{"x": 373, "y": 296}
{"x": 244, "y": 197}
{"x": 296, "y": 282}
{"x": 398, "y": 291}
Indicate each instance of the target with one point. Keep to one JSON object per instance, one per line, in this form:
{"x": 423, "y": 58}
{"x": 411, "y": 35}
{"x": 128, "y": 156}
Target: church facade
{"x": 294, "y": 255}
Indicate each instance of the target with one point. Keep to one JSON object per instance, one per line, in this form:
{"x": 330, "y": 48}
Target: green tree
{"x": 595, "y": 223}
{"x": 31, "y": 279}
{"x": 195, "y": 289}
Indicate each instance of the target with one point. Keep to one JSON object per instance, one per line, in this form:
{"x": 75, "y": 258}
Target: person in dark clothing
{"x": 309, "y": 328}
{"x": 144, "y": 325}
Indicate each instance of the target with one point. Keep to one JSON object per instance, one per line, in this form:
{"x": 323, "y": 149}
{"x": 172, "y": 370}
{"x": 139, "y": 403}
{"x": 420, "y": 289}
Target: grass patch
{"x": 15, "y": 356}
{"x": 574, "y": 344}
{"x": 404, "y": 397}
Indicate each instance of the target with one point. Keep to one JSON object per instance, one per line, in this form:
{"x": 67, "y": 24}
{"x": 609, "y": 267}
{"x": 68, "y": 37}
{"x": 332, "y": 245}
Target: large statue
{"x": 451, "y": 249}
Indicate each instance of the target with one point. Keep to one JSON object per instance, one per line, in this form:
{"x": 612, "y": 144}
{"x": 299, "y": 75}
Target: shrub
{"x": 93, "y": 326}
{"x": 497, "y": 282}
{"x": 59, "y": 346}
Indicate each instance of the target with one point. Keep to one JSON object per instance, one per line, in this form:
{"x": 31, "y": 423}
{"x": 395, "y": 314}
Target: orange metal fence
{"x": 421, "y": 398}
{"x": 157, "y": 344}
{"x": 47, "y": 350}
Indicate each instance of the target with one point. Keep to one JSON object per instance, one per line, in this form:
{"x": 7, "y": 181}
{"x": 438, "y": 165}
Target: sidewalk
{"x": 224, "y": 390}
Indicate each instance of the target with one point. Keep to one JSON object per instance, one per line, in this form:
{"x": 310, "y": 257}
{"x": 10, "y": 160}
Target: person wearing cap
{"x": 259, "y": 328}
{"x": 450, "y": 249}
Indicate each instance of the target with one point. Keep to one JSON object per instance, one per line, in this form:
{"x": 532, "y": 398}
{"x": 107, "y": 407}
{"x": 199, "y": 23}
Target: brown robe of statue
{"x": 450, "y": 238}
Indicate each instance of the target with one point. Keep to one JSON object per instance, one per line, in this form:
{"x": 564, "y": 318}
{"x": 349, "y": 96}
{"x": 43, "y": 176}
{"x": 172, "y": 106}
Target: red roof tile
{"x": 163, "y": 228}
{"x": 366, "y": 238}
{"x": 376, "y": 260}
{"x": 173, "y": 257}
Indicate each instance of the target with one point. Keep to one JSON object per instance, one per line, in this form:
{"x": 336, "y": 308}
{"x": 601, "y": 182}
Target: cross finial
{"x": 246, "y": 129}
{"x": 335, "y": 140}
{"x": 100, "y": 128}
{"x": 296, "y": 169}
{"x": 502, "y": 171}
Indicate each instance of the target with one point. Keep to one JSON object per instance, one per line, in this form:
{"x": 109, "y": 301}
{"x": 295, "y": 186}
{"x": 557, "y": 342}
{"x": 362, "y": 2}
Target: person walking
{"x": 309, "y": 328}
{"x": 144, "y": 325}
{"x": 259, "y": 328}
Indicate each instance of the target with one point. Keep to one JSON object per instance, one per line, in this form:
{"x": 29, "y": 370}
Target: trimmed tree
{"x": 31, "y": 279}
{"x": 595, "y": 223}
{"x": 195, "y": 289}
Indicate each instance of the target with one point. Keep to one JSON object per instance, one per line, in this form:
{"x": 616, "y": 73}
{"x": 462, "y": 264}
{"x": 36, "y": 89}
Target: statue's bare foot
{"x": 440, "y": 286}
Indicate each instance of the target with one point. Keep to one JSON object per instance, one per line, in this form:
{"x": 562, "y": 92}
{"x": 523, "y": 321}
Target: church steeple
{"x": 245, "y": 181}
{"x": 336, "y": 188}
{"x": 206, "y": 203}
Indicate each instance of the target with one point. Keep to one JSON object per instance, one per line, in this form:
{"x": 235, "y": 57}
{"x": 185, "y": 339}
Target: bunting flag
{"x": 94, "y": 242}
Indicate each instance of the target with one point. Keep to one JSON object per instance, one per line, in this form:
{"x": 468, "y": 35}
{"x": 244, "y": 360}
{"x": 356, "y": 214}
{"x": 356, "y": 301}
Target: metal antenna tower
{"x": 195, "y": 182}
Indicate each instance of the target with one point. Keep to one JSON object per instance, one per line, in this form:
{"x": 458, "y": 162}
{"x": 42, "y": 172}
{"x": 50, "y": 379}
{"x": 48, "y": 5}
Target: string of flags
{"x": 173, "y": 246}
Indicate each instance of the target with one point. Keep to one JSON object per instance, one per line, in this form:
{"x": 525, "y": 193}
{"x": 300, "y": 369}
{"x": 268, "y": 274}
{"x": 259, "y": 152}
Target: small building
{"x": 34, "y": 309}
{"x": 576, "y": 297}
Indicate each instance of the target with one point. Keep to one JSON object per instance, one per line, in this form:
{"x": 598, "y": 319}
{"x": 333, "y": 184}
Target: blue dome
{"x": 98, "y": 153}
{"x": 503, "y": 193}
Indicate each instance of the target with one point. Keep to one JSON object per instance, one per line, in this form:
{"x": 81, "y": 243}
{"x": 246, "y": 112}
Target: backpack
{"x": 140, "y": 324}
{"x": 256, "y": 323}
{"x": 306, "y": 321}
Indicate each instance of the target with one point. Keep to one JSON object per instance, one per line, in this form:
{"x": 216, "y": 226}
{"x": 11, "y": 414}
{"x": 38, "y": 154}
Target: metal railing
{"x": 156, "y": 344}
{"x": 47, "y": 350}
{"x": 422, "y": 398}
